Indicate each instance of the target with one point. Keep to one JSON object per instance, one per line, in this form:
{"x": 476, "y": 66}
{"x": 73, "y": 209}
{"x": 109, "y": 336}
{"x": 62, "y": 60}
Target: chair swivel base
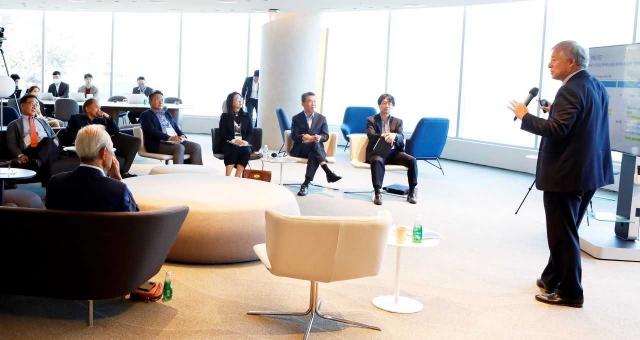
{"x": 311, "y": 184}
{"x": 384, "y": 192}
{"x": 314, "y": 309}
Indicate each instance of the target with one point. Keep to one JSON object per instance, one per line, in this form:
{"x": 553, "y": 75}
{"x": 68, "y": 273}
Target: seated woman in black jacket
{"x": 235, "y": 131}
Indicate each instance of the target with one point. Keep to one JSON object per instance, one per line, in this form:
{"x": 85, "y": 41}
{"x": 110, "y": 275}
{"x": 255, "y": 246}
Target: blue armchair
{"x": 428, "y": 140}
{"x": 9, "y": 114}
{"x": 355, "y": 121}
{"x": 284, "y": 122}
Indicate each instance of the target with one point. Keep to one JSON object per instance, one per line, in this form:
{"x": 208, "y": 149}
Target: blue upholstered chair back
{"x": 355, "y": 120}
{"x": 283, "y": 120}
{"x": 9, "y": 114}
{"x": 428, "y": 138}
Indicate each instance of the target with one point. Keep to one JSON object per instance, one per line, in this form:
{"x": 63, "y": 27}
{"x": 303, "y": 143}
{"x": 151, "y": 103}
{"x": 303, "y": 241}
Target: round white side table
{"x": 396, "y": 303}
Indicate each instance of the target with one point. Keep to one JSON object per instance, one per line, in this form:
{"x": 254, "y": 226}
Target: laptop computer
{"x": 77, "y": 96}
{"x": 136, "y": 98}
{"x": 46, "y": 96}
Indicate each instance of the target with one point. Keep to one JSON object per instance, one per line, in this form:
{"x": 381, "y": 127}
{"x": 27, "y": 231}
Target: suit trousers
{"x": 134, "y": 117}
{"x": 47, "y": 152}
{"x": 564, "y": 212}
{"x": 251, "y": 104}
{"x": 236, "y": 155}
{"x": 314, "y": 153}
{"x": 126, "y": 147}
{"x": 395, "y": 158}
{"x": 178, "y": 151}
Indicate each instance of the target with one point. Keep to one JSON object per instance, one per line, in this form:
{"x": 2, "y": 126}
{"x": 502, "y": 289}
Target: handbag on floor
{"x": 260, "y": 175}
{"x": 153, "y": 294}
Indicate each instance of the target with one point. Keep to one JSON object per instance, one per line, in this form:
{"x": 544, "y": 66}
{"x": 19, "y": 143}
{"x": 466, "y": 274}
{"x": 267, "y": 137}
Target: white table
{"x": 280, "y": 160}
{"x": 13, "y": 173}
{"x": 396, "y": 303}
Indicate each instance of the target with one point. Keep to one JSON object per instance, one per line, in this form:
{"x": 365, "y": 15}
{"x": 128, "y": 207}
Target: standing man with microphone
{"x": 573, "y": 161}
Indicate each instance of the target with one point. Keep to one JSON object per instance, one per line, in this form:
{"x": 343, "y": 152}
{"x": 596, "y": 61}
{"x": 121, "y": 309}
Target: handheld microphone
{"x": 532, "y": 94}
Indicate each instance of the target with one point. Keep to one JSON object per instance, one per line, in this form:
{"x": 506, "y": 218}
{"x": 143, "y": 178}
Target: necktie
{"x": 33, "y": 133}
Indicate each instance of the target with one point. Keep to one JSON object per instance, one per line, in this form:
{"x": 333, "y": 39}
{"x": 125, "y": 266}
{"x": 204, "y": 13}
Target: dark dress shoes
{"x": 555, "y": 299}
{"x": 544, "y": 287}
{"x": 412, "y": 198}
{"x": 377, "y": 199}
{"x": 332, "y": 177}
{"x": 303, "y": 190}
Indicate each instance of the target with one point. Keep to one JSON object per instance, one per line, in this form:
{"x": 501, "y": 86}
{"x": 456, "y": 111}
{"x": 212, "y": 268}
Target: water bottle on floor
{"x": 417, "y": 229}
{"x": 167, "y": 292}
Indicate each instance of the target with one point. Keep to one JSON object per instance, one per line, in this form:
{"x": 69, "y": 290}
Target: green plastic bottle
{"x": 167, "y": 291}
{"x": 145, "y": 101}
{"x": 417, "y": 229}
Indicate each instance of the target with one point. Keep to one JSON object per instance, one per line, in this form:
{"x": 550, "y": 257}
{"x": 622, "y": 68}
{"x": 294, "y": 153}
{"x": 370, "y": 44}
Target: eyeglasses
{"x": 34, "y": 104}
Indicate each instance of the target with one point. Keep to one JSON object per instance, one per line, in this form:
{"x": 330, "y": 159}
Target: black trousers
{"x": 47, "y": 152}
{"x": 313, "y": 152}
{"x": 251, "y": 104}
{"x": 236, "y": 155}
{"x": 396, "y": 158}
{"x": 564, "y": 212}
{"x": 126, "y": 147}
{"x": 134, "y": 117}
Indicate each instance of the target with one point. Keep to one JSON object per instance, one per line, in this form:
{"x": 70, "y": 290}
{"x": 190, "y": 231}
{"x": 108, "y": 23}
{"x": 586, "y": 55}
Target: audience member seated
{"x": 309, "y": 130}
{"x": 96, "y": 185}
{"x": 88, "y": 88}
{"x": 236, "y": 129}
{"x": 16, "y": 79}
{"x": 126, "y": 146}
{"x": 162, "y": 134}
{"x": 54, "y": 123}
{"x": 383, "y": 125}
{"x": 32, "y": 141}
{"x": 59, "y": 89}
{"x": 134, "y": 117}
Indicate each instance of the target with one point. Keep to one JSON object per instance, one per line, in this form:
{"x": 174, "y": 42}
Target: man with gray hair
{"x": 573, "y": 161}
{"x": 96, "y": 185}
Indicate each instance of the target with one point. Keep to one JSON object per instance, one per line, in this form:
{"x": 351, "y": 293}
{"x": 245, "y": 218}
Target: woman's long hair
{"x": 230, "y": 103}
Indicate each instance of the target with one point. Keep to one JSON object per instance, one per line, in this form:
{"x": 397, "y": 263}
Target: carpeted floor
{"x": 479, "y": 283}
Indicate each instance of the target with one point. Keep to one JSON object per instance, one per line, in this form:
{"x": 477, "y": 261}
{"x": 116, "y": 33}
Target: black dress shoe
{"x": 303, "y": 190}
{"x": 332, "y": 177}
{"x": 128, "y": 175}
{"x": 412, "y": 198}
{"x": 377, "y": 199}
{"x": 555, "y": 299}
{"x": 541, "y": 285}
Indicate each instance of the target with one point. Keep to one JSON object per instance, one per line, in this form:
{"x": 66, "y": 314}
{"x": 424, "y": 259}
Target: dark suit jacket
{"x": 147, "y": 91}
{"x": 77, "y": 122}
{"x": 15, "y": 135}
{"x": 63, "y": 92}
{"x": 86, "y": 189}
{"x": 300, "y": 127}
{"x": 152, "y": 130}
{"x": 247, "y": 87}
{"x": 227, "y": 131}
{"x": 374, "y": 132}
{"x": 575, "y": 152}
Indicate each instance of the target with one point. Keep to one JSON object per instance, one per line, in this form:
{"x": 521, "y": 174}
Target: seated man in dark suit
{"x": 96, "y": 184}
{"x": 162, "y": 134}
{"x": 32, "y": 141}
{"x": 309, "y": 130}
{"x": 134, "y": 116}
{"x": 384, "y": 126}
{"x": 126, "y": 146}
{"x": 59, "y": 89}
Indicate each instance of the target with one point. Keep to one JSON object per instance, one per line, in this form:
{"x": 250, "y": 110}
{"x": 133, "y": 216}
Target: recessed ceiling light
{"x": 157, "y": 2}
{"x": 413, "y": 5}
{"x": 77, "y": 1}
{"x": 227, "y": 1}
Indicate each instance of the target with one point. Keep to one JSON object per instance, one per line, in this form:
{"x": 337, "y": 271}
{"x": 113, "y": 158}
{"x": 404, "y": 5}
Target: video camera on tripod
{"x": 2, "y": 38}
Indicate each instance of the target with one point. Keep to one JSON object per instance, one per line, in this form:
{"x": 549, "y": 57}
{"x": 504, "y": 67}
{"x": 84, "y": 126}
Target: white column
{"x": 292, "y": 63}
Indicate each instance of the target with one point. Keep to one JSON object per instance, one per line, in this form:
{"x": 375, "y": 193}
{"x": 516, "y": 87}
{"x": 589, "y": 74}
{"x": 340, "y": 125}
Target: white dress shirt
{"x": 27, "y": 131}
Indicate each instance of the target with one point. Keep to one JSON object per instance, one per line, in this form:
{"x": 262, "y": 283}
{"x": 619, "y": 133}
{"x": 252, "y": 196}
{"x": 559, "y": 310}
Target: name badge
{"x": 171, "y": 132}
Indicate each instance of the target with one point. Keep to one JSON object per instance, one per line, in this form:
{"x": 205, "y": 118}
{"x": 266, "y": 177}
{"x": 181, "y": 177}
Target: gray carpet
{"x": 479, "y": 283}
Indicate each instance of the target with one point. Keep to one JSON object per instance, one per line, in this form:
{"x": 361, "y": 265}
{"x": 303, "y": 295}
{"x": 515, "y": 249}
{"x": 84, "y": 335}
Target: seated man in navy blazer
{"x": 58, "y": 88}
{"x": 96, "y": 185}
{"x": 126, "y": 146}
{"x": 162, "y": 134}
{"x": 309, "y": 130}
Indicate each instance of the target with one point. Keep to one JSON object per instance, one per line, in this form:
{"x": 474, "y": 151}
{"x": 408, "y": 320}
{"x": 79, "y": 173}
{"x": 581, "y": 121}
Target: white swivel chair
{"x": 330, "y": 148}
{"x": 323, "y": 249}
{"x": 358, "y": 154}
{"x": 137, "y": 131}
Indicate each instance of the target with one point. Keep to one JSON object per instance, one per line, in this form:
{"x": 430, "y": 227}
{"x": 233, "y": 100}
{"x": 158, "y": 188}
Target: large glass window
{"x": 75, "y": 49}
{"x": 255, "y": 40}
{"x": 502, "y": 62}
{"x": 216, "y": 66}
{"x": 424, "y": 64}
{"x": 356, "y": 61}
{"x": 23, "y": 45}
{"x": 148, "y": 45}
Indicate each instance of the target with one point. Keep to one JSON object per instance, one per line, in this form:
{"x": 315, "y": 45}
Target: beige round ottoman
{"x": 226, "y": 214}
{"x": 183, "y": 169}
